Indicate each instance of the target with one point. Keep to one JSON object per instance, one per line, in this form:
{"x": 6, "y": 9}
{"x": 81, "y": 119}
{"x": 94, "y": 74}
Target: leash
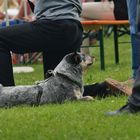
{"x": 40, "y": 92}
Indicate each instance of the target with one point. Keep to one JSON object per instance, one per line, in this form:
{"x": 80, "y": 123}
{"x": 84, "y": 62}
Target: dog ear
{"x": 77, "y": 58}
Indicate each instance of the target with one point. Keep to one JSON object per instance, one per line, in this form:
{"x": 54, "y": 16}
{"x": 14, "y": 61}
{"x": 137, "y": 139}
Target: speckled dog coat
{"x": 65, "y": 83}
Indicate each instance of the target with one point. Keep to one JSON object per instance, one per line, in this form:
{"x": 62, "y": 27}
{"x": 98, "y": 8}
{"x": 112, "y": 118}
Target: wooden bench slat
{"x": 104, "y": 22}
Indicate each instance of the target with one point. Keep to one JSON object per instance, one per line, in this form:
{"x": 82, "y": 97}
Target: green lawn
{"x": 75, "y": 120}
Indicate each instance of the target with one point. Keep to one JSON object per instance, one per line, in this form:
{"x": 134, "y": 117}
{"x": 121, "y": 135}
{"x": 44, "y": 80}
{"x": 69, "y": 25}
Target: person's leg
{"x": 134, "y": 99}
{"x": 135, "y": 40}
{"x": 53, "y": 59}
{"x": 135, "y": 37}
{"x": 133, "y": 104}
{"x": 39, "y": 36}
{"x": 100, "y": 90}
{"x": 6, "y": 71}
{"x": 72, "y": 41}
{"x": 16, "y": 39}
{"x": 98, "y": 10}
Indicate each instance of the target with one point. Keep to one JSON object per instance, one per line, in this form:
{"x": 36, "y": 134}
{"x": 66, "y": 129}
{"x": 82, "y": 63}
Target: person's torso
{"x": 58, "y": 9}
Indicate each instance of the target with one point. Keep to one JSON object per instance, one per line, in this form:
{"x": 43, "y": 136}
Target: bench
{"x": 90, "y": 25}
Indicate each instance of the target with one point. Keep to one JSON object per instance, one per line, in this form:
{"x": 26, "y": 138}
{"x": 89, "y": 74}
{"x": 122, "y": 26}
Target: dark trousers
{"x": 57, "y": 38}
{"x": 134, "y": 99}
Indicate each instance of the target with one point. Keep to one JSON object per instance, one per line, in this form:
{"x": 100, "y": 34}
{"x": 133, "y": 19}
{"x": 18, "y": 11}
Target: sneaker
{"x": 126, "y": 109}
{"x": 116, "y": 86}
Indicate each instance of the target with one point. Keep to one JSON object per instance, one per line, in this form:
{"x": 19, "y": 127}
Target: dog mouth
{"x": 87, "y": 61}
{"x": 89, "y": 64}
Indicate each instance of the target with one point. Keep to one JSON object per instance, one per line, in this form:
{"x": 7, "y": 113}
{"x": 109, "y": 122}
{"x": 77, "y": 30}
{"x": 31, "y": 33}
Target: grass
{"x": 75, "y": 120}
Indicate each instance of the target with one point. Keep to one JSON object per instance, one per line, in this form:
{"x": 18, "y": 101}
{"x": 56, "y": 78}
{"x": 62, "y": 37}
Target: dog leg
{"x": 86, "y": 98}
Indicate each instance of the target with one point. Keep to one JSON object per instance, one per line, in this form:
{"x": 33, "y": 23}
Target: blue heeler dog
{"x": 64, "y": 83}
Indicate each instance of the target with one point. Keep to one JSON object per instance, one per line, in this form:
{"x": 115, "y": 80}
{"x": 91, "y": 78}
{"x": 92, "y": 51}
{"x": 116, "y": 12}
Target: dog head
{"x": 71, "y": 63}
{"x": 75, "y": 61}
{"x": 71, "y": 67}
{"x": 87, "y": 61}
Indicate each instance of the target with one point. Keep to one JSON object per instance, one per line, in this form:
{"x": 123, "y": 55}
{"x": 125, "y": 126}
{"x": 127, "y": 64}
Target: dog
{"x": 64, "y": 83}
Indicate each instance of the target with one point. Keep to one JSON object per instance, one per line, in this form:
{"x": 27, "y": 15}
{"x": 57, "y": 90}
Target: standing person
{"x": 135, "y": 37}
{"x": 133, "y": 104}
{"x": 56, "y": 30}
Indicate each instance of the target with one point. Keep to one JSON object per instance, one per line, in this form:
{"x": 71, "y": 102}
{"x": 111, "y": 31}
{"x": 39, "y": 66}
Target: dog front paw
{"x": 86, "y": 98}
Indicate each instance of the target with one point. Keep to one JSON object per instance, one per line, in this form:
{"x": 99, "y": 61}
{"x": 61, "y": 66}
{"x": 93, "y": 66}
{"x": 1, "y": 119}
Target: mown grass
{"x": 75, "y": 120}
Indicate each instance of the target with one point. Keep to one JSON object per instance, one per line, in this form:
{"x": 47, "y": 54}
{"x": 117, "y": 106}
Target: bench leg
{"x": 101, "y": 45}
{"x": 116, "y": 44}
